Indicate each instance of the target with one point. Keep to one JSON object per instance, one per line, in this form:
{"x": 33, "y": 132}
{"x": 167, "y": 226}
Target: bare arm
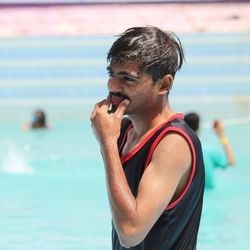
{"x": 134, "y": 216}
{"x": 219, "y": 130}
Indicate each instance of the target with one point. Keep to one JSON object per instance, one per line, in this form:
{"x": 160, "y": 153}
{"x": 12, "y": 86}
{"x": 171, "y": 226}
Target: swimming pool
{"x": 52, "y": 187}
{"x": 53, "y": 191}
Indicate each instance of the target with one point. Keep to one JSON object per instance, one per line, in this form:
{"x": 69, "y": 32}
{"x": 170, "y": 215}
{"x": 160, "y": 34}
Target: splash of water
{"x": 14, "y": 162}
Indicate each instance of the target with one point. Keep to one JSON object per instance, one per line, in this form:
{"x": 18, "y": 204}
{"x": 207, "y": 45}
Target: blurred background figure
{"x": 38, "y": 121}
{"x": 213, "y": 157}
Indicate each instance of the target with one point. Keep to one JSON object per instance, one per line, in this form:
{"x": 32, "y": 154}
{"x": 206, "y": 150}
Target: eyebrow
{"x": 122, "y": 73}
{"x": 109, "y": 69}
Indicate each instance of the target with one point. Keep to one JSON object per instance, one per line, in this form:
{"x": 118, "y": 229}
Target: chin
{"x": 128, "y": 112}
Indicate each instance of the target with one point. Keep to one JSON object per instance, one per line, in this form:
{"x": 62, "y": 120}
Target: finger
{"x": 92, "y": 115}
{"x": 99, "y": 104}
{"x": 105, "y": 105}
{"x": 122, "y": 107}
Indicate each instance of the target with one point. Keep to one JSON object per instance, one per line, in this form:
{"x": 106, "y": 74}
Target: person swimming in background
{"x": 213, "y": 157}
{"x": 38, "y": 121}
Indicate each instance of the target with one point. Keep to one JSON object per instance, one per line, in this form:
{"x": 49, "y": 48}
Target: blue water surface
{"x": 52, "y": 189}
{"x": 53, "y": 195}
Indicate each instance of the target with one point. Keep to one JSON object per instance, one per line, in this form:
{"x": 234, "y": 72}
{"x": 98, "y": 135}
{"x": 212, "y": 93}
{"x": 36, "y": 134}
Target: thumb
{"x": 122, "y": 107}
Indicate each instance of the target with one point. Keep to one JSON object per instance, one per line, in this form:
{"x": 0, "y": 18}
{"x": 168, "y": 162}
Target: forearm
{"x": 219, "y": 130}
{"x": 122, "y": 202}
{"x": 106, "y": 127}
{"x": 227, "y": 149}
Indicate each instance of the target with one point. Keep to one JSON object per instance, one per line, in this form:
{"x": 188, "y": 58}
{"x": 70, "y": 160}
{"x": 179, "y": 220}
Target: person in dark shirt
{"x": 38, "y": 121}
{"x": 153, "y": 160}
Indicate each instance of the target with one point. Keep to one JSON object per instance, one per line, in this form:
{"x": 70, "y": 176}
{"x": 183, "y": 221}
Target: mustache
{"x": 118, "y": 95}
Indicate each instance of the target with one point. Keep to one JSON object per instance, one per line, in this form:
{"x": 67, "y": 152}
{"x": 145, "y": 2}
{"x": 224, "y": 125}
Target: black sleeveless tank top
{"x": 177, "y": 227}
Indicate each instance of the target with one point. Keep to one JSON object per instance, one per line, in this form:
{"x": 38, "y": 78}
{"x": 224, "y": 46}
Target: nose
{"x": 114, "y": 85}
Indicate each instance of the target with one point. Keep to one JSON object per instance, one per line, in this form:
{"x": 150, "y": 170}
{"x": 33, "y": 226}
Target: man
{"x": 153, "y": 160}
{"x": 213, "y": 157}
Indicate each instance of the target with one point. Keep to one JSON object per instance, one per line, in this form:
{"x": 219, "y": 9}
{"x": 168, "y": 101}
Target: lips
{"x": 116, "y": 100}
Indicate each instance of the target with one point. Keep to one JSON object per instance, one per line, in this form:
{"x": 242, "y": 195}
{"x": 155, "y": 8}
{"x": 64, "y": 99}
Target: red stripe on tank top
{"x": 140, "y": 145}
{"x": 125, "y": 136}
{"x": 153, "y": 147}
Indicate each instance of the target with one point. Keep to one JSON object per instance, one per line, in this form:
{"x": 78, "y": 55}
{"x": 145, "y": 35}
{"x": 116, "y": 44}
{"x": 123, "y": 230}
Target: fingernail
{"x": 126, "y": 101}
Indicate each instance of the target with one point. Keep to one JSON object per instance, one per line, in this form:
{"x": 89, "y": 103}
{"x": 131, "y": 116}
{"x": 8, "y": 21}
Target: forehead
{"x": 129, "y": 67}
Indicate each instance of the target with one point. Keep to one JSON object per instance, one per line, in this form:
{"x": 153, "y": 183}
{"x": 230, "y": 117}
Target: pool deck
{"x": 109, "y": 19}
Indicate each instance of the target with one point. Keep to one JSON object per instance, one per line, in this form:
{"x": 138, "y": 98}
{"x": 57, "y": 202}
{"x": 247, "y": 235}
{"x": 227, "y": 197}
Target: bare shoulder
{"x": 168, "y": 171}
{"x": 174, "y": 150}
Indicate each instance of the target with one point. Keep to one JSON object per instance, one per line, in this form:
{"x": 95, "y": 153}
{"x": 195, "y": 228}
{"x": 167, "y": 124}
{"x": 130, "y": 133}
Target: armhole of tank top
{"x": 129, "y": 126}
{"x": 190, "y": 143}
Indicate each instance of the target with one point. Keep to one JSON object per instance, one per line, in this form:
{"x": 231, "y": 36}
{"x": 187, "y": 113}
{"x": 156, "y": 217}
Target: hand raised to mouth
{"x": 106, "y": 126}
{"x": 115, "y": 100}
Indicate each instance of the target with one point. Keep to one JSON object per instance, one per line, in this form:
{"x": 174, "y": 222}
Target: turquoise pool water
{"x": 52, "y": 191}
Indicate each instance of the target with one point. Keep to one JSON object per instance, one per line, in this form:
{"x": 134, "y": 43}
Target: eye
{"x": 128, "y": 78}
{"x": 111, "y": 74}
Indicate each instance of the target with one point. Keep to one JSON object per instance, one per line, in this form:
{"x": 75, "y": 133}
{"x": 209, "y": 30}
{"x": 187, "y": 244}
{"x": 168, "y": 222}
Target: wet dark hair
{"x": 39, "y": 119}
{"x": 193, "y": 121}
{"x": 157, "y": 52}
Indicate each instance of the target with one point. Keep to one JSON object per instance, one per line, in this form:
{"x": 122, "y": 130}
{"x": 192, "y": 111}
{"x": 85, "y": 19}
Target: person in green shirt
{"x": 213, "y": 157}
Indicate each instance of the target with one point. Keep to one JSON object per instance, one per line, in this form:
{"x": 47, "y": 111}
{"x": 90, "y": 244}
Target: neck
{"x": 144, "y": 123}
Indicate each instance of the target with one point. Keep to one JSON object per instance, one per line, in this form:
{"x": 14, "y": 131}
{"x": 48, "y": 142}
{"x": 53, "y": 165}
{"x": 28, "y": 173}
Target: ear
{"x": 165, "y": 84}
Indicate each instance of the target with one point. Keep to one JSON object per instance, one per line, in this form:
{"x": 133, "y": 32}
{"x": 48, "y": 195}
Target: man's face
{"x": 127, "y": 82}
